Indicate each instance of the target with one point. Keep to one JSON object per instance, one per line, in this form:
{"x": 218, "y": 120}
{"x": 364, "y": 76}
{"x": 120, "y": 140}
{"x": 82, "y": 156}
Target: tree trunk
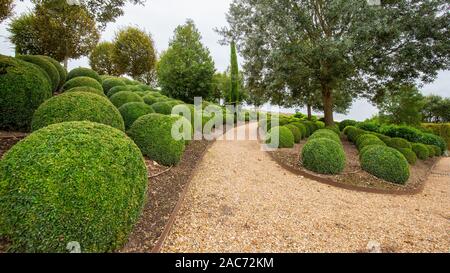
{"x": 66, "y": 62}
{"x": 309, "y": 111}
{"x": 328, "y": 105}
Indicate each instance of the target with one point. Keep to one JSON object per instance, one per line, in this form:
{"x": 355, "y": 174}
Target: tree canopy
{"x": 6, "y": 7}
{"x": 436, "y": 109}
{"x": 101, "y": 59}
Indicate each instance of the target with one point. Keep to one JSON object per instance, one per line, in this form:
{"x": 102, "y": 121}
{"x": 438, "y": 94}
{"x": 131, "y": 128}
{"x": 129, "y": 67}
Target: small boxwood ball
{"x": 133, "y": 110}
{"x": 110, "y": 83}
{"x": 302, "y": 128}
{"x": 86, "y": 89}
{"x": 347, "y": 122}
{"x": 325, "y": 133}
{"x": 74, "y": 181}
{"x": 145, "y": 87}
{"x": 61, "y": 70}
{"x": 296, "y": 132}
{"x": 123, "y": 97}
{"x": 370, "y": 141}
{"x": 23, "y": 87}
{"x": 324, "y": 156}
{"x": 283, "y": 135}
{"x": 49, "y": 69}
{"x": 84, "y": 72}
{"x": 385, "y": 163}
{"x": 162, "y": 108}
{"x": 77, "y": 106}
{"x": 364, "y": 137}
{"x": 421, "y": 151}
{"x": 431, "y": 139}
{"x": 134, "y": 88}
{"x": 117, "y": 89}
{"x": 153, "y": 134}
{"x": 409, "y": 155}
{"x": 437, "y": 150}
{"x": 398, "y": 143}
{"x": 431, "y": 151}
{"x": 82, "y": 81}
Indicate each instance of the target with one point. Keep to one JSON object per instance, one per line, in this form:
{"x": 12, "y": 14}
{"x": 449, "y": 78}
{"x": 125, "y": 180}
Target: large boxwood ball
{"x": 133, "y": 110}
{"x": 61, "y": 70}
{"x": 153, "y": 134}
{"x": 283, "y": 134}
{"x": 117, "y": 89}
{"x": 325, "y": 133}
{"x": 123, "y": 97}
{"x": 84, "y": 72}
{"x": 86, "y": 89}
{"x": 385, "y": 163}
{"x": 421, "y": 151}
{"x": 162, "y": 108}
{"x": 302, "y": 128}
{"x": 71, "y": 182}
{"x": 363, "y": 138}
{"x": 77, "y": 106}
{"x": 110, "y": 83}
{"x": 23, "y": 87}
{"x": 46, "y": 66}
{"x": 324, "y": 156}
{"x": 296, "y": 132}
{"x": 82, "y": 81}
{"x": 370, "y": 141}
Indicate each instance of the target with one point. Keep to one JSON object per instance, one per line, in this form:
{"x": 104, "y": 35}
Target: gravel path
{"x": 242, "y": 201}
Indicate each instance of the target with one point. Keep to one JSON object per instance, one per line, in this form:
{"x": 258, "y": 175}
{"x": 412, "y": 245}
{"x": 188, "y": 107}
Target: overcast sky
{"x": 160, "y": 17}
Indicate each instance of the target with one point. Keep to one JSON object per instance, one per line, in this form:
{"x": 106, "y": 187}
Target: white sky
{"x": 160, "y": 17}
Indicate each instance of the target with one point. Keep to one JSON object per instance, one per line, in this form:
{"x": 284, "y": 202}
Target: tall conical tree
{"x": 234, "y": 92}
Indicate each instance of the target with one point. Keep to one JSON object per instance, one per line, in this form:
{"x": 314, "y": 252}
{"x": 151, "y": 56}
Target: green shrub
{"x": 134, "y": 88}
{"x": 77, "y": 106}
{"x": 86, "y": 89}
{"x": 73, "y": 181}
{"x": 442, "y": 130}
{"x": 110, "y": 83}
{"x": 296, "y": 132}
{"x": 48, "y": 68}
{"x": 152, "y": 133}
{"x": 347, "y": 122}
{"x": 61, "y": 70}
{"x": 407, "y": 132}
{"x": 302, "y": 128}
{"x": 151, "y": 99}
{"x": 145, "y": 87}
{"x": 82, "y": 81}
{"x": 369, "y": 142}
{"x": 323, "y": 155}
{"x": 162, "y": 108}
{"x": 84, "y": 72}
{"x": 385, "y": 163}
{"x": 431, "y": 151}
{"x": 368, "y": 126}
{"x": 363, "y": 137}
{"x": 437, "y": 150}
{"x": 431, "y": 139}
{"x": 133, "y": 110}
{"x": 398, "y": 143}
{"x": 284, "y": 136}
{"x": 353, "y": 133}
{"x": 335, "y": 129}
{"x": 117, "y": 89}
{"x": 409, "y": 155}
{"x": 421, "y": 151}
{"x": 325, "y": 133}
{"x": 23, "y": 87}
{"x": 123, "y": 97}
{"x": 384, "y": 138}
{"x": 310, "y": 125}
{"x": 321, "y": 125}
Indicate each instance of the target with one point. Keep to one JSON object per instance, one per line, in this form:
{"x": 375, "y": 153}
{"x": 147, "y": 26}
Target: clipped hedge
{"x": 123, "y": 97}
{"x": 72, "y": 181}
{"x": 133, "y": 110}
{"x": 82, "y": 81}
{"x": 334, "y": 128}
{"x": 296, "y": 132}
{"x": 421, "y": 151}
{"x": 152, "y": 133}
{"x": 325, "y": 133}
{"x": 353, "y": 133}
{"x": 431, "y": 139}
{"x": 431, "y": 151}
{"x": 364, "y": 137}
{"x": 409, "y": 155}
{"x": 401, "y": 131}
{"x": 442, "y": 130}
{"x": 23, "y": 87}
{"x": 301, "y": 127}
{"x": 61, "y": 70}
{"x": 117, "y": 89}
{"x": 368, "y": 126}
{"x": 398, "y": 143}
{"x": 347, "y": 122}
{"x": 369, "y": 142}
{"x": 48, "y": 68}
{"x": 86, "y": 89}
{"x": 283, "y": 134}
{"x": 77, "y": 106}
{"x": 109, "y": 83}
{"x": 324, "y": 156}
{"x": 84, "y": 72}
{"x": 162, "y": 108}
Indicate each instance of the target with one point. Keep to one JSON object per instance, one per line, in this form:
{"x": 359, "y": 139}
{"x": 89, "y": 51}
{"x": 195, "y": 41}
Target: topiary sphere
{"x": 110, "y": 83}
{"x": 283, "y": 135}
{"x": 431, "y": 139}
{"x": 431, "y": 151}
{"x": 48, "y": 68}
{"x": 347, "y": 122}
{"x": 133, "y": 110}
{"x": 302, "y": 128}
{"x": 437, "y": 150}
{"x": 145, "y": 87}
{"x": 421, "y": 151}
{"x": 150, "y": 99}
{"x": 73, "y": 181}
{"x": 153, "y": 134}
{"x": 84, "y": 72}
{"x": 409, "y": 155}
{"x": 324, "y": 156}
{"x": 370, "y": 141}
{"x": 134, "y": 88}
{"x": 61, "y": 70}
{"x": 325, "y": 133}
{"x": 77, "y": 106}
{"x": 23, "y": 87}
{"x": 117, "y": 89}
{"x": 86, "y": 89}
{"x": 364, "y": 137}
{"x": 335, "y": 129}
{"x": 296, "y": 132}
{"x": 82, "y": 81}
{"x": 353, "y": 133}
{"x": 123, "y": 97}
{"x": 162, "y": 108}
{"x": 398, "y": 143}
{"x": 385, "y": 163}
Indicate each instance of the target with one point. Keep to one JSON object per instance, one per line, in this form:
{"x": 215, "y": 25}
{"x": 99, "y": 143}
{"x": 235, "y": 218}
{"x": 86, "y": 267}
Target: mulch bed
{"x": 353, "y": 176}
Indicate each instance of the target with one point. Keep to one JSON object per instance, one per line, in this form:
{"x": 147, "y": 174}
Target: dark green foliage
{"x": 363, "y": 138}
{"x": 385, "y": 163}
{"x": 77, "y": 106}
{"x": 320, "y": 125}
{"x": 296, "y": 132}
{"x": 409, "y": 155}
{"x": 110, "y": 83}
{"x": 86, "y": 89}
{"x": 145, "y": 87}
{"x": 384, "y": 138}
{"x": 280, "y": 137}
{"x": 430, "y": 139}
{"x": 72, "y": 181}
{"x": 421, "y": 151}
{"x": 123, "y": 97}
{"x": 407, "y": 132}
{"x": 117, "y": 89}
{"x": 325, "y": 133}
{"x": 302, "y": 128}
{"x": 61, "y": 70}
{"x": 82, "y": 81}
{"x": 437, "y": 150}
{"x": 152, "y": 133}
{"x": 398, "y": 143}
{"x": 23, "y": 87}
{"x": 310, "y": 125}
{"x": 133, "y": 110}
{"x": 84, "y": 72}
{"x": 347, "y": 122}
{"x": 368, "y": 142}
{"x": 368, "y": 126}
{"x": 48, "y": 68}
{"x": 334, "y": 128}
{"x": 353, "y": 133}
{"x": 431, "y": 151}
{"x": 151, "y": 99}
{"x": 323, "y": 155}
{"x": 234, "y": 76}
{"x": 162, "y": 108}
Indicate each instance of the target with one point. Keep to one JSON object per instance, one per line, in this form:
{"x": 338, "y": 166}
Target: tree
{"x": 186, "y": 69}
{"x": 436, "y": 109}
{"x": 6, "y": 7}
{"x": 101, "y": 59}
{"x": 222, "y": 86}
{"x": 234, "y": 79}
{"x": 346, "y": 45}
{"x": 134, "y": 53}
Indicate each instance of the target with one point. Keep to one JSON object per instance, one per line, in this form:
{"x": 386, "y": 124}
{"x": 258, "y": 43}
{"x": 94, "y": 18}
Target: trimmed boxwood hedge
{"x": 353, "y": 133}
{"x": 385, "y": 163}
{"x": 334, "y": 128}
{"x": 117, "y": 89}
{"x": 437, "y": 150}
{"x": 153, "y": 134}
{"x": 82, "y": 81}
{"x": 145, "y": 87}
{"x": 296, "y": 132}
{"x": 431, "y": 139}
{"x": 162, "y": 108}
{"x": 325, "y": 133}
{"x": 23, "y": 87}
{"x": 364, "y": 137}
{"x": 368, "y": 142}
{"x": 110, "y": 83}
{"x": 324, "y": 156}
{"x": 86, "y": 89}
{"x": 347, "y": 122}
{"x": 123, "y": 97}
{"x": 84, "y": 72}
{"x": 431, "y": 151}
{"x": 133, "y": 110}
{"x": 61, "y": 70}
{"x": 398, "y": 143}
{"x": 285, "y": 137}
{"x": 409, "y": 155}
{"x": 301, "y": 127}
{"x": 368, "y": 126}
{"x": 421, "y": 151}
{"x": 77, "y": 106}
{"x": 48, "y": 68}
{"x": 72, "y": 181}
